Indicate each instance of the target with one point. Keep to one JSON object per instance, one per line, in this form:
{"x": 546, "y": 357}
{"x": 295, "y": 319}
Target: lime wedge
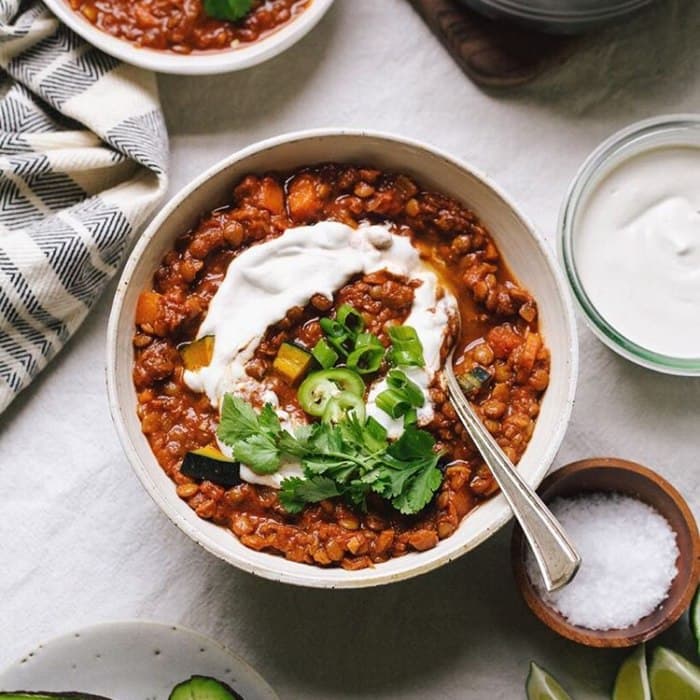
{"x": 695, "y": 618}
{"x": 541, "y": 686}
{"x": 632, "y": 682}
{"x": 672, "y": 677}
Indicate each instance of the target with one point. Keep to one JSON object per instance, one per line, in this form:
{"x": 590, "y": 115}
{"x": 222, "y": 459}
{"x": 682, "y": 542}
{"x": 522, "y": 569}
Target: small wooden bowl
{"x": 621, "y": 476}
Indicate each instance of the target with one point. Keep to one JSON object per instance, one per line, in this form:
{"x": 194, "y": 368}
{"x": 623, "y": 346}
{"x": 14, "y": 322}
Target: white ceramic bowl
{"x": 526, "y": 253}
{"x": 205, "y": 63}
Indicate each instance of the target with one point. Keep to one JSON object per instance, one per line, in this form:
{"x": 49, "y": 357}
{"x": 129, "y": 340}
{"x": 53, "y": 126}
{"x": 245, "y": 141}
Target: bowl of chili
{"x": 282, "y": 188}
{"x": 202, "y": 38}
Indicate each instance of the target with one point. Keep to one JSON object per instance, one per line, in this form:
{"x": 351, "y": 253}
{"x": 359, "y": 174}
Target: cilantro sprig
{"x": 253, "y": 437}
{"x": 227, "y": 9}
{"x": 350, "y": 459}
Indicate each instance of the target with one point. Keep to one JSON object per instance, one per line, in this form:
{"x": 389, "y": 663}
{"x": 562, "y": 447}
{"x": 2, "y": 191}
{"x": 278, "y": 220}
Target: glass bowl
{"x": 667, "y": 130}
{"x": 558, "y": 16}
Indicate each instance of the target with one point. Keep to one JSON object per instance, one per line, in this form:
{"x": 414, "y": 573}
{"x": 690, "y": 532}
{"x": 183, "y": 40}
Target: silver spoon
{"x": 556, "y": 557}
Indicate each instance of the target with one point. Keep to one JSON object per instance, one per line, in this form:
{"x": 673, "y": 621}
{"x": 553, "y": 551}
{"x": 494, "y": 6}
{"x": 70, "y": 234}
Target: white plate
{"x": 131, "y": 661}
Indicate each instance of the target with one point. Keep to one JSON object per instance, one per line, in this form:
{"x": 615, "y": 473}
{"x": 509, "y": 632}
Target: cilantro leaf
{"x": 258, "y": 452}
{"x": 269, "y": 421}
{"x": 252, "y": 437}
{"x": 227, "y": 9}
{"x": 295, "y": 492}
{"x": 419, "y": 491}
{"x": 238, "y": 420}
{"x": 294, "y": 445}
{"x": 413, "y": 444}
{"x": 326, "y": 440}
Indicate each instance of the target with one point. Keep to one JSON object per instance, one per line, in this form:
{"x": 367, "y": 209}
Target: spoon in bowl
{"x": 556, "y": 557}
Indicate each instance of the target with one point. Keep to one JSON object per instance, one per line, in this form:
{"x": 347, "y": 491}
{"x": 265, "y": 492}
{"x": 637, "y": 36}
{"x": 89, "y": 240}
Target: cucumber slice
{"x": 695, "y": 618}
{"x": 632, "y": 681}
{"x": 203, "y": 688}
{"x": 541, "y": 686}
{"x": 672, "y": 677}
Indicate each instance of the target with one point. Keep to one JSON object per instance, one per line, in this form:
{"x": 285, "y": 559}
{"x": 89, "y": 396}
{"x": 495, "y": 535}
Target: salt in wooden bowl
{"x": 609, "y": 475}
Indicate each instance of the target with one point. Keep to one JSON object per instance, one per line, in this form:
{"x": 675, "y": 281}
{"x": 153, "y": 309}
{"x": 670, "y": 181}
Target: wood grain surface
{"x": 492, "y": 53}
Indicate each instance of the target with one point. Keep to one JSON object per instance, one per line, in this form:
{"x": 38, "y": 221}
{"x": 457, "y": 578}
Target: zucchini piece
{"x": 209, "y": 464}
{"x": 292, "y": 363}
{"x": 474, "y": 380}
{"x": 198, "y": 353}
{"x": 203, "y": 688}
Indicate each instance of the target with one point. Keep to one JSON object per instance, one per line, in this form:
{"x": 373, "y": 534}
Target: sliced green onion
{"x": 324, "y": 354}
{"x": 364, "y": 339}
{"x": 406, "y": 349}
{"x": 368, "y": 354}
{"x": 397, "y": 379}
{"x": 337, "y": 336}
{"x": 332, "y": 328}
{"x": 350, "y": 319}
{"x": 377, "y": 432}
{"x": 410, "y": 417}
{"x": 393, "y": 403}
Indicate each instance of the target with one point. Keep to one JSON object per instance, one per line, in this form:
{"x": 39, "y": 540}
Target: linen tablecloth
{"x": 82, "y": 542}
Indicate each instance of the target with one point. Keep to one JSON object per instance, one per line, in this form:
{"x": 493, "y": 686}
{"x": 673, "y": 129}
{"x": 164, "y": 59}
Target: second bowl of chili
{"x": 200, "y": 37}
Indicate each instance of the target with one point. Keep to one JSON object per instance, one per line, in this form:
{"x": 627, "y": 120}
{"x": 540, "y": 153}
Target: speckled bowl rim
{"x": 277, "y": 568}
{"x": 204, "y": 63}
{"x": 133, "y": 626}
{"x": 638, "y": 137}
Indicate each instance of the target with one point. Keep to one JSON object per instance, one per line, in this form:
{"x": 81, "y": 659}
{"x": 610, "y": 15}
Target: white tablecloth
{"x": 81, "y": 542}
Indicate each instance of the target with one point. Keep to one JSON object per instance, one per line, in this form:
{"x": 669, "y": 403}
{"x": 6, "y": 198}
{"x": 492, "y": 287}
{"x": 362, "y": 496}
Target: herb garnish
{"x": 227, "y": 9}
{"x": 406, "y": 348}
{"x": 349, "y": 459}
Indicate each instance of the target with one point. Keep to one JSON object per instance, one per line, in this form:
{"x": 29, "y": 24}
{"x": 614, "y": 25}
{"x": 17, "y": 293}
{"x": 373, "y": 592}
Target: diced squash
{"x": 197, "y": 354}
{"x": 292, "y": 363}
{"x": 148, "y": 308}
{"x": 303, "y": 200}
{"x": 212, "y": 452}
{"x": 271, "y": 196}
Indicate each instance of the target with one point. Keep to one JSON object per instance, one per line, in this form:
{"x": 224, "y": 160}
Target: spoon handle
{"x": 556, "y": 557}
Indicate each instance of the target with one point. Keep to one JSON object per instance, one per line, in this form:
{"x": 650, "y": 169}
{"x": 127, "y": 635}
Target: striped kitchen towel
{"x": 83, "y": 159}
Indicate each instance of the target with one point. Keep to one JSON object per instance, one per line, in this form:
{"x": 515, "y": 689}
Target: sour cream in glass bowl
{"x": 630, "y": 242}
{"x": 529, "y": 260}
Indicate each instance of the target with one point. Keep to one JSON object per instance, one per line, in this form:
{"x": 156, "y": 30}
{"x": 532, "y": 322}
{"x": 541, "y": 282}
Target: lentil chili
{"x": 499, "y": 333}
{"x": 182, "y": 26}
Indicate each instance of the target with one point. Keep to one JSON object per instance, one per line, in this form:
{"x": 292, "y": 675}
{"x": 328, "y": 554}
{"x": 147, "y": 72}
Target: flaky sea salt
{"x": 629, "y": 555}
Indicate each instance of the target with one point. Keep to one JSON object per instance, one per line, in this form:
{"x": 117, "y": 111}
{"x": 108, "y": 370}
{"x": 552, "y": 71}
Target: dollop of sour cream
{"x": 638, "y": 250}
{"x": 266, "y": 280}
